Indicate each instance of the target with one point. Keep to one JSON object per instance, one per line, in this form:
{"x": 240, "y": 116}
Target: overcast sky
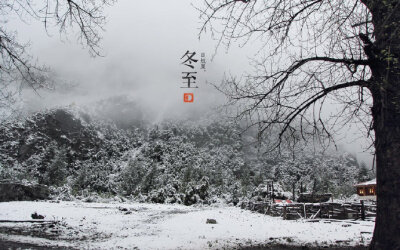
{"x": 143, "y": 43}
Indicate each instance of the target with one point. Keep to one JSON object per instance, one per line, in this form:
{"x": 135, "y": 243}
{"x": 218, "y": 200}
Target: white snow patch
{"x": 154, "y": 226}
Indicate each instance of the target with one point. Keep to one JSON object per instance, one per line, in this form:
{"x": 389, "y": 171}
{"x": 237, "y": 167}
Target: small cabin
{"x": 367, "y": 190}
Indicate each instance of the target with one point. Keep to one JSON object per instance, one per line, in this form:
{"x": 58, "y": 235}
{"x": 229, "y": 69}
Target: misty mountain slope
{"x": 81, "y": 153}
{"x": 35, "y": 144}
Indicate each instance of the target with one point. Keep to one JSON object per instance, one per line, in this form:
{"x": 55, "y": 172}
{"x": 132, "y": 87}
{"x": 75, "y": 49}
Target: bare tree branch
{"x": 323, "y": 45}
{"x": 86, "y": 17}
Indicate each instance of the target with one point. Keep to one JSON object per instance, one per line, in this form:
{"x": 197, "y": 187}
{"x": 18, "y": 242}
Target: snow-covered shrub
{"x": 196, "y": 193}
{"x": 63, "y": 193}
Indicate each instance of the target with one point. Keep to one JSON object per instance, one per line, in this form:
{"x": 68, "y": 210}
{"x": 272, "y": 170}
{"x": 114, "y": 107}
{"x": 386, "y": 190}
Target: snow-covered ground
{"x": 153, "y": 226}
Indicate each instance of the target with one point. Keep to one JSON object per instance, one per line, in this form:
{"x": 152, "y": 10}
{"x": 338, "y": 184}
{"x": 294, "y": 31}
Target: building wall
{"x": 367, "y": 192}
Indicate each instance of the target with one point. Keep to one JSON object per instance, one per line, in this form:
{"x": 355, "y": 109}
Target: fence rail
{"x": 326, "y": 210}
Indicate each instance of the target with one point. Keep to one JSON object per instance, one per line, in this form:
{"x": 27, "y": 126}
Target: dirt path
{"x": 19, "y": 245}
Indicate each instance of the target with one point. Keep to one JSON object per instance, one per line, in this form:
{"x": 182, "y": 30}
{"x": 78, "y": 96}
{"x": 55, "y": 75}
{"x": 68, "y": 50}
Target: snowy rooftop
{"x": 366, "y": 183}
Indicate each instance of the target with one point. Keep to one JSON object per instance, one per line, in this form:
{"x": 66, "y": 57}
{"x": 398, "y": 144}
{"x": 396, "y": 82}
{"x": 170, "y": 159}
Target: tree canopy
{"x": 309, "y": 52}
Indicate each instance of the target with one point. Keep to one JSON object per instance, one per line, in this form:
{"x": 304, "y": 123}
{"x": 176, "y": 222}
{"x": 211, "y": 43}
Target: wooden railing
{"x": 328, "y": 210}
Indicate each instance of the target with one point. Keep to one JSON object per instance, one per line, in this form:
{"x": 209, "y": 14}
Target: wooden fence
{"x": 327, "y": 210}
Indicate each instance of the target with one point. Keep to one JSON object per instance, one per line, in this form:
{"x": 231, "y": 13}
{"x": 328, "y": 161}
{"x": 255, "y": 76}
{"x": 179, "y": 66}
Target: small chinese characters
{"x": 203, "y": 61}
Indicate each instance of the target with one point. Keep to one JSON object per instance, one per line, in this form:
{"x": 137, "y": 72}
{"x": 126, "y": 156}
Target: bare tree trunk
{"x": 384, "y": 61}
{"x": 294, "y": 191}
{"x": 387, "y": 143}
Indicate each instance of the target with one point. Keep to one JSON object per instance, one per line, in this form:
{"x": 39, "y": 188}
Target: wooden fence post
{"x": 362, "y": 210}
{"x": 320, "y": 210}
{"x": 284, "y": 212}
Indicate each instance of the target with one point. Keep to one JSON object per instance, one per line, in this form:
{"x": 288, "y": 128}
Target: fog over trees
{"x": 283, "y": 80}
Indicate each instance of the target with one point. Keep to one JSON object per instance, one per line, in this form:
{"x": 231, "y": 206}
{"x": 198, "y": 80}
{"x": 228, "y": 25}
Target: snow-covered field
{"x": 153, "y": 226}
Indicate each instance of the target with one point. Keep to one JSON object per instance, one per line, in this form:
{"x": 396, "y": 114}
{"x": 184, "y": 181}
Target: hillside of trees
{"x": 80, "y": 154}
